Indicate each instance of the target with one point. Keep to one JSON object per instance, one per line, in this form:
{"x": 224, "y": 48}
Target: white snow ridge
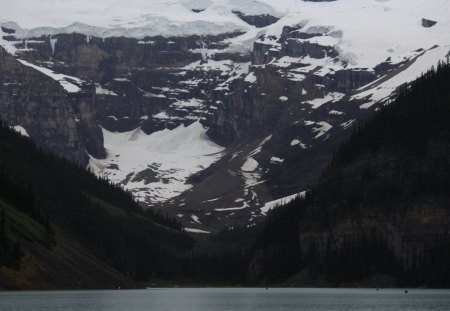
{"x": 69, "y": 83}
{"x": 364, "y": 32}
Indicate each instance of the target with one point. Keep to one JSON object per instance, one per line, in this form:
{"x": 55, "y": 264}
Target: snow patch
{"x": 156, "y": 167}
{"x": 260, "y": 146}
{"x": 282, "y": 201}
{"x": 70, "y": 84}
{"x": 100, "y": 90}
{"x": 336, "y": 112}
{"x": 330, "y": 97}
{"x": 19, "y": 129}
{"x": 53, "y": 42}
{"x": 190, "y": 103}
{"x": 195, "y": 219}
{"x": 297, "y": 142}
{"x": 8, "y": 46}
{"x": 193, "y": 230}
{"x": 251, "y": 78}
{"x": 229, "y": 209}
{"x": 348, "y": 123}
{"x": 276, "y": 160}
{"x": 250, "y": 165}
{"x": 321, "y": 128}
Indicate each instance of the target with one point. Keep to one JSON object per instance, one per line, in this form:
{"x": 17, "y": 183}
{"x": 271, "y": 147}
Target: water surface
{"x": 220, "y": 299}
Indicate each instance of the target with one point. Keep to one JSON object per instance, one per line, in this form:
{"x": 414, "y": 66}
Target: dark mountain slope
{"x": 380, "y": 214}
{"x": 62, "y": 227}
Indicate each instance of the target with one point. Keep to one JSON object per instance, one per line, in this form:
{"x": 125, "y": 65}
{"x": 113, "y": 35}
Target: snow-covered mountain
{"x": 216, "y": 109}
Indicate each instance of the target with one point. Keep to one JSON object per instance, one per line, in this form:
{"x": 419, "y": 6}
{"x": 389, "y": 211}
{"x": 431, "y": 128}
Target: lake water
{"x": 220, "y": 299}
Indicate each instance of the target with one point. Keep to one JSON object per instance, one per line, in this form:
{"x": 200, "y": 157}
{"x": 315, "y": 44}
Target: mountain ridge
{"x": 303, "y": 81}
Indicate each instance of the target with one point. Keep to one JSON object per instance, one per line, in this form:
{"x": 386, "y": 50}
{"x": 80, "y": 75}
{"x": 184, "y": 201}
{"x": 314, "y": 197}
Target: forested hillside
{"x": 380, "y": 214}
{"x": 62, "y": 227}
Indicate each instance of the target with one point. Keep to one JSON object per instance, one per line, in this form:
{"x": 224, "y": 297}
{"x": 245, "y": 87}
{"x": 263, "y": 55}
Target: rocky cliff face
{"x": 147, "y": 74}
{"x": 41, "y": 106}
{"x": 88, "y": 130}
{"x": 284, "y": 75}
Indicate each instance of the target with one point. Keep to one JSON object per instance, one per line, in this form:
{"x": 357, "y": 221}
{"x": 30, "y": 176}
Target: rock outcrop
{"x": 41, "y": 106}
{"x": 428, "y": 23}
{"x": 257, "y": 20}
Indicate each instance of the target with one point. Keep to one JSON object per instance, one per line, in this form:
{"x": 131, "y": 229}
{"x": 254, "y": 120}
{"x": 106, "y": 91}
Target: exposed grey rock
{"x": 428, "y": 23}
{"x": 348, "y": 80}
{"x": 298, "y": 48}
{"x": 88, "y": 130}
{"x": 263, "y": 53}
{"x": 7, "y": 30}
{"x": 40, "y": 105}
{"x": 257, "y": 20}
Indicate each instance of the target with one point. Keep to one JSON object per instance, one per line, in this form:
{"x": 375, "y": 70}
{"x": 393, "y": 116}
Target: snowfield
{"x": 364, "y": 32}
{"x": 156, "y": 167}
{"x": 376, "y": 92}
{"x": 282, "y": 201}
